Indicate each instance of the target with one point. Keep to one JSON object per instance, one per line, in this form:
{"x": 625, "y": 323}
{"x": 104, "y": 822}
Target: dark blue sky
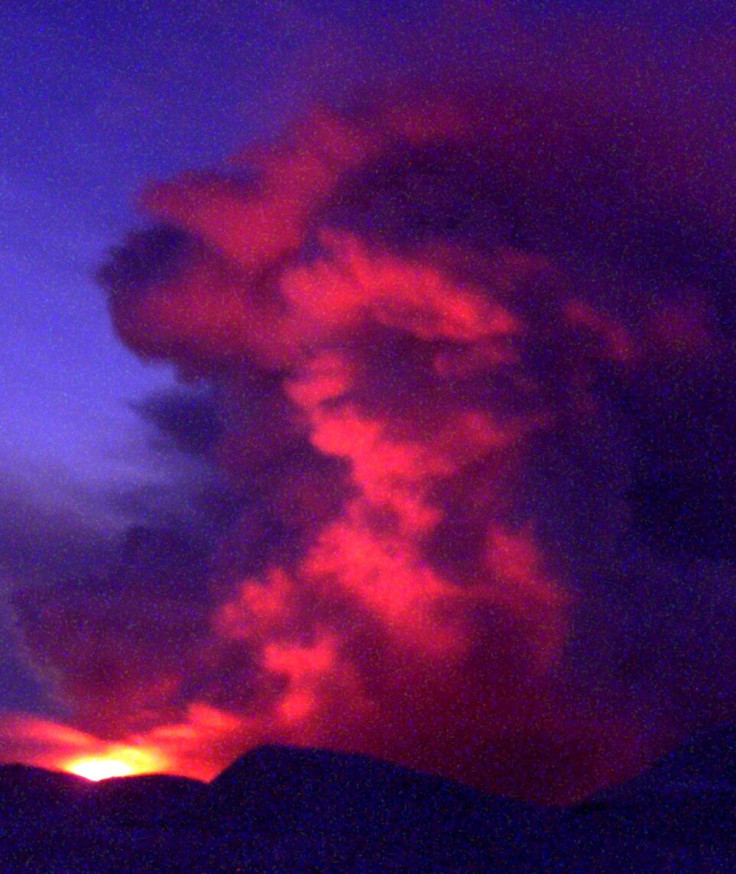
{"x": 96, "y": 100}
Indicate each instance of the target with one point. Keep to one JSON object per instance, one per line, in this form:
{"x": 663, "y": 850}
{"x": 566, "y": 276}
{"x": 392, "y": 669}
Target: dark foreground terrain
{"x": 285, "y": 810}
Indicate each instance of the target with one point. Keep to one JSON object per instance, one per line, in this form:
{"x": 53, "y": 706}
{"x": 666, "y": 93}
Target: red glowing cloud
{"x": 419, "y": 609}
{"x": 438, "y": 379}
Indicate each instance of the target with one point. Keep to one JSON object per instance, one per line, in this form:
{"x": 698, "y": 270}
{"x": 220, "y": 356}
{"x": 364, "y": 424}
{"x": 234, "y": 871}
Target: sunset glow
{"x": 100, "y": 769}
{"x": 121, "y": 763}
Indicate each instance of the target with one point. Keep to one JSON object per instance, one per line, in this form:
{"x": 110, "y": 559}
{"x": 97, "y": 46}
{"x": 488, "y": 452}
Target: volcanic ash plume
{"x": 452, "y": 351}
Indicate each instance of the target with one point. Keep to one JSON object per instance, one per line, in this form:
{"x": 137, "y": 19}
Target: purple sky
{"x": 97, "y": 100}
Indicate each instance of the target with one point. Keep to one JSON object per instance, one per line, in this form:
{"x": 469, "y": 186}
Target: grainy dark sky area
{"x": 402, "y": 420}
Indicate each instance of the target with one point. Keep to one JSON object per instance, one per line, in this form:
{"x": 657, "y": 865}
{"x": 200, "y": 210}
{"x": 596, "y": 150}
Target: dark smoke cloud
{"x": 468, "y": 344}
{"x": 52, "y": 534}
{"x": 103, "y": 588}
{"x": 94, "y": 607}
{"x": 187, "y": 422}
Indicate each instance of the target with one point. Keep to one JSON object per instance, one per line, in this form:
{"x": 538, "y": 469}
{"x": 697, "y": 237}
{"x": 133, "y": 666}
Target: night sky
{"x": 368, "y": 380}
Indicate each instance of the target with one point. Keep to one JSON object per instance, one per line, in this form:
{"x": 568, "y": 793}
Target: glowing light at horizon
{"x": 120, "y": 763}
{"x": 100, "y": 769}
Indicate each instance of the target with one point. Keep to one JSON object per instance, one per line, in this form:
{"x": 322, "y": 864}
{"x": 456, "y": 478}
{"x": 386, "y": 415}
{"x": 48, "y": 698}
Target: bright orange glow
{"x": 100, "y": 769}
{"x": 122, "y": 762}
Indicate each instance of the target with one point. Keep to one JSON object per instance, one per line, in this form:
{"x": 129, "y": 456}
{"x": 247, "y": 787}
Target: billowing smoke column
{"x": 473, "y": 371}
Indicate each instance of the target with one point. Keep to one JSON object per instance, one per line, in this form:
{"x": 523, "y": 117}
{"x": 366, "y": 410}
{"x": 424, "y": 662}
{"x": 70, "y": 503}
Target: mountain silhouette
{"x": 28, "y": 793}
{"x": 680, "y": 813}
{"x": 285, "y": 809}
